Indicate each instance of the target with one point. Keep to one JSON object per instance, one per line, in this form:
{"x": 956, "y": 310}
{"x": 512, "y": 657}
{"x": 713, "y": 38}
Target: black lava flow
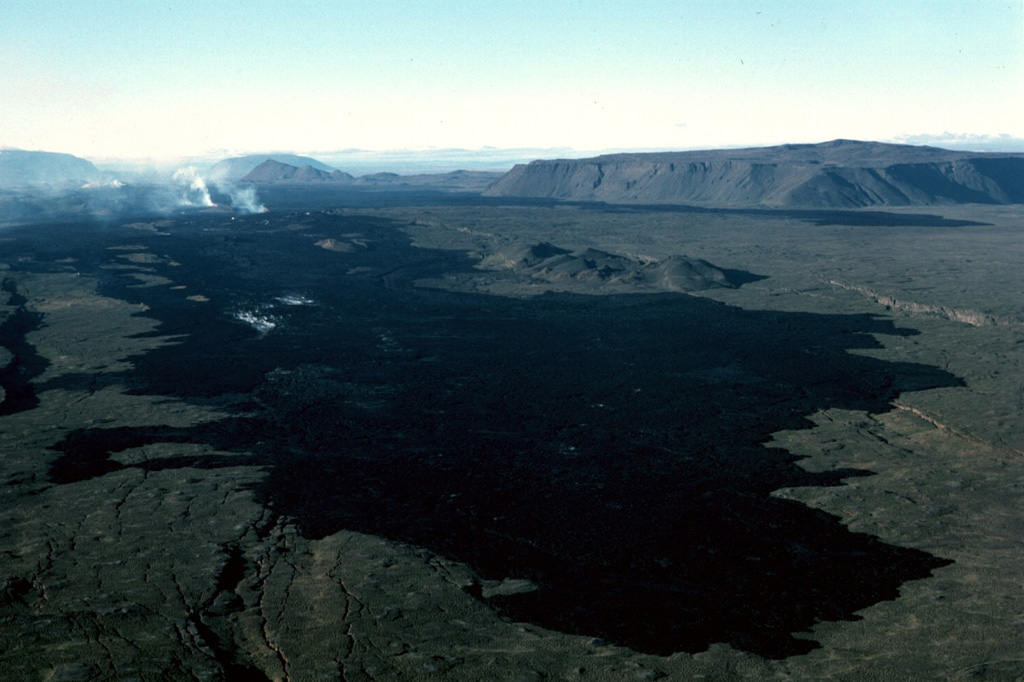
{"x": 607, "y": 448}
{"x": 26, "y": 364}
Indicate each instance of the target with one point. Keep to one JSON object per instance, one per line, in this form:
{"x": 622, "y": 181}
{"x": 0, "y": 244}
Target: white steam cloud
{"x": 193, "y": 188}
{"x": 194, "y": 192}
{"x": 243, "y": 199}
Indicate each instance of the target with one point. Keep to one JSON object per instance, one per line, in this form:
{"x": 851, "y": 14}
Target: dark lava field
{"x": 326, "y": 442}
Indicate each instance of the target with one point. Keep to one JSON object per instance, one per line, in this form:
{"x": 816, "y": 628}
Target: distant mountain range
{"x": 275, "y": 172}
{"x": 19, "y": 168}
{"x": 837, "y": 174}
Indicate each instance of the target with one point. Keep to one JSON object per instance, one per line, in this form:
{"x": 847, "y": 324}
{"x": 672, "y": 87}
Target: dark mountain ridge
{"x": 836, "y": 174}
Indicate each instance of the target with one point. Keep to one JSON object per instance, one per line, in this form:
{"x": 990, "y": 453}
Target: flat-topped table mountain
{"x": 20, "y": 168}
{"x": 836, "y": 174}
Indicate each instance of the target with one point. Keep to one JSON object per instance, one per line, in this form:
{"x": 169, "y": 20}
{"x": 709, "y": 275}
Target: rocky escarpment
{"x": 837, "y": 174}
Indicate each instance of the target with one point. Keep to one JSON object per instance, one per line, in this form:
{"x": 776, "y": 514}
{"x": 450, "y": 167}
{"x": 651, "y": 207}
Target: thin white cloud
{"x": 966, "y": 141}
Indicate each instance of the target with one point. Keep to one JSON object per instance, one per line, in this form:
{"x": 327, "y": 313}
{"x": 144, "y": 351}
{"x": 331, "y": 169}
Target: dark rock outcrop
{"x": 591, "y": 268}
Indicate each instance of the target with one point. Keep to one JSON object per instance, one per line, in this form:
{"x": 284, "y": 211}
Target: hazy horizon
{"x": 138, "y": 81}
{"x": 492, "y": 159}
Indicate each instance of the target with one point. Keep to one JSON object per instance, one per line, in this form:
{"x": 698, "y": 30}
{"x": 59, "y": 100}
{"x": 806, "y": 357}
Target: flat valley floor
{"x": 326, "y": 442}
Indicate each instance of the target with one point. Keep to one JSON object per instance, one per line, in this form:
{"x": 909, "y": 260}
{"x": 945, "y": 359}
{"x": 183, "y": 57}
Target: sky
{"x": 142, "y": 79}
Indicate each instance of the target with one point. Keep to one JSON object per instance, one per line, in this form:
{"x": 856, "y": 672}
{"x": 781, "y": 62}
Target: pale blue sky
{"x": 171, "y": 79}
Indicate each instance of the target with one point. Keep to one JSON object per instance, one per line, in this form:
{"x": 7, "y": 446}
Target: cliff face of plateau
{"x": 837, "y": 174}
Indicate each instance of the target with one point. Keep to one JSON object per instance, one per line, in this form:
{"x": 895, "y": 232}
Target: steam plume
{"x": 195, "y": 192}
{"x": 242, "y": 199}
{"x": 193, "y": 188}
